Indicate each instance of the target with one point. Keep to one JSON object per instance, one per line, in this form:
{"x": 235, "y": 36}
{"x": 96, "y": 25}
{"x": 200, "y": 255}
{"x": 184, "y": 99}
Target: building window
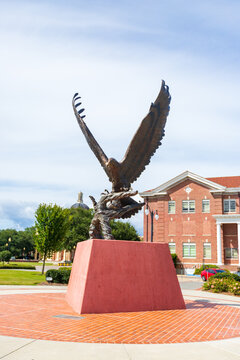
{"x": 207, "y": 253}
{"x": 172, "y": 248}
{"x": 171, "y": 207}
{"x": 229, "y": 205}
{"x": 189, "y": 250}
{"x": 206, "y": 206}
{"x": 188, "y": 206}
{"x": 231, "y": 253}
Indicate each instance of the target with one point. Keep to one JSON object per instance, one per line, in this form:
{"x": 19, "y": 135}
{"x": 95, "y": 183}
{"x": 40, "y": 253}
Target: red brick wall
{"x": 181, "y": 227}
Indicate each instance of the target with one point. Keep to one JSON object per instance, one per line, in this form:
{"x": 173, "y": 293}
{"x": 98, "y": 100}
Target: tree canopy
{"x": 80, "y": 220}
{"x": 19, "y": 243}
{"x": 52, "y": 223}
{"x": 124, "y": 231}
{"x": 79, "y": 228}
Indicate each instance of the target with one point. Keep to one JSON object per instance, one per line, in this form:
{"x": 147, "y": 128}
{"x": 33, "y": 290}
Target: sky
{"x": 114, "y": 54}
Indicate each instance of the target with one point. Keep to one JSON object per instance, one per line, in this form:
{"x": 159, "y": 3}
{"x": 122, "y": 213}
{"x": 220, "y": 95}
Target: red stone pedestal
{"x": 122, "y": 276}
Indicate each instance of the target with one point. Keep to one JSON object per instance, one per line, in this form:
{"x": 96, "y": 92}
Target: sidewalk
{"x": 12, "y": 348}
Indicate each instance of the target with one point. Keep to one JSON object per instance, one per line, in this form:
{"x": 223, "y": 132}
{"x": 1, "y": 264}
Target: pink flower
{"x": 212, "y": 286}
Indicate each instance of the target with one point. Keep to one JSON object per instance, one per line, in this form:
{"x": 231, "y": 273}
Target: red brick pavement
{"x": 34, "y": 316}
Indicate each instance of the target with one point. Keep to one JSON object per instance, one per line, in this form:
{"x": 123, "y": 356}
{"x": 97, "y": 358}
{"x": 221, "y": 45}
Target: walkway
{"x": 29, "y": 316}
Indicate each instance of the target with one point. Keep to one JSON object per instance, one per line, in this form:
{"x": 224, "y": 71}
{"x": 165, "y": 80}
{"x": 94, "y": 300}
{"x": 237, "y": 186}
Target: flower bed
{"x": 228, "y": 284}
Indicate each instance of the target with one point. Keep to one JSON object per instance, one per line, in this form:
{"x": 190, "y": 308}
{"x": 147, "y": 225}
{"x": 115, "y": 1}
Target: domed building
{"x": 62, "y": 256}
{"x": 80, "y": 203}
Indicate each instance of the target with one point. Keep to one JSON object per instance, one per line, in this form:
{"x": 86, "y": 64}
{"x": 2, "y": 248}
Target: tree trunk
{"x": 44, "y": 259}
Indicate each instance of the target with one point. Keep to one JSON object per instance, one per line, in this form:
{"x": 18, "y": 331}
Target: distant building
{"x": 79, "y": 203}
{"x": 198, "y": 217}
{"x": 67, "y": 255}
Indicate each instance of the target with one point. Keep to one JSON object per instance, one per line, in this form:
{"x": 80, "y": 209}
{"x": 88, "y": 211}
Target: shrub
{"x": 64, "y": 275}
{"x": 5, "y": 256}
{"x": 226, "y": 276}
{"x": 60, "y": 276}
{"x": 234, "y": 288}
{"x": 203, "y": 267}
{"x": 16, "y": 266}
{"x": 224, "y": 284}
{"x": 216, "y": 285}
{"x": 174, "y": 258}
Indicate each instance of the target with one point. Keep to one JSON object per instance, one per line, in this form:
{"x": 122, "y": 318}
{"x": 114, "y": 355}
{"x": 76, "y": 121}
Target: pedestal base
{"x": 122, "y": 276}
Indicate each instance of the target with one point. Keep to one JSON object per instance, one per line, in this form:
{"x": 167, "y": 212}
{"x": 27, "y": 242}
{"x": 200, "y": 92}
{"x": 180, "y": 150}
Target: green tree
{"x": 79, "y": 227}
{"x": 17, "y": 242}
{"x": 25, "y": 242}
{"x": 52, "y": 223}
{"x": 8, "y": 238}
{"x": 5, "y": 256}
{"x": 124, "y": 231}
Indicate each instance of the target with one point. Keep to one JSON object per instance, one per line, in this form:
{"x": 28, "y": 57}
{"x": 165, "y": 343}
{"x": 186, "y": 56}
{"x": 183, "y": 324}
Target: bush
{"x": 234, "y": 288}
{"x": 5, "y": 256}
{"x": 203, "y": 267}
{"x": 60, "y": 276}
{"x": 15, "y": 266}
{"x": 174, "y": 258}
{"x": 227, "y": 275}
{"x": 224, "y": 284}
{"x": 64, "y": 275}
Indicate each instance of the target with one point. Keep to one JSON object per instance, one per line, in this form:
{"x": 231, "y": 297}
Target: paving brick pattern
{"x": 36, "y": 316}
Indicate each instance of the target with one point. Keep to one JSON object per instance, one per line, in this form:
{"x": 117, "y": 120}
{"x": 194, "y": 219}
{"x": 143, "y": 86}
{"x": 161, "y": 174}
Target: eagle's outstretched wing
{"x": 95, "y": 147}
{"x": 147, "y": 138}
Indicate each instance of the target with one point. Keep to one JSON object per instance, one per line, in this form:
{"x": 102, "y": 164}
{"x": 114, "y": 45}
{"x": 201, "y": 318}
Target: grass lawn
{"x": 46, "y": 264}
{"x": 18, "y": 277}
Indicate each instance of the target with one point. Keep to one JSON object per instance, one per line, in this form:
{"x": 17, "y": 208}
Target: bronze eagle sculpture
{"x": 143, "y": 145}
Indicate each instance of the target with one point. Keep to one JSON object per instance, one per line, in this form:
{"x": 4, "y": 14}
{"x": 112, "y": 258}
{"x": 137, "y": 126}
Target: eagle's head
{"x": 113, "y": 164}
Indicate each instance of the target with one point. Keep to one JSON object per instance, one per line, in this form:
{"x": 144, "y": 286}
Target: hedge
{"x": 225, "y": 284}
{"x": 60, "y": 276}
{"x": 227, "y": 276}
{"x": 203, "y": 267}
{"x": 14, "y": 266}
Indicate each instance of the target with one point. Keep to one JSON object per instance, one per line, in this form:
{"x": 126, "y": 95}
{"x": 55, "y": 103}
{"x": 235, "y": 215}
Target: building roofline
{"x": 161, "y": 190}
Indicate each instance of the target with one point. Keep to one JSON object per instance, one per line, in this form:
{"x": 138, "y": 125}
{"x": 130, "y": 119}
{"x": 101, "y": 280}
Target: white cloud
{"x": 43, "y": 154}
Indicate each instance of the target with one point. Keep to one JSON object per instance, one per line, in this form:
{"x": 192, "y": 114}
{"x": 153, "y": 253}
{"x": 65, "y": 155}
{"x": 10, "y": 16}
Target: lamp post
{"x": 153, "y": 213}
{"x": 8, "y": 241}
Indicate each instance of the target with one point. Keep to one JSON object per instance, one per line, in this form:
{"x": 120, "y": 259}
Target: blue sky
{"x": 115, "y": 54}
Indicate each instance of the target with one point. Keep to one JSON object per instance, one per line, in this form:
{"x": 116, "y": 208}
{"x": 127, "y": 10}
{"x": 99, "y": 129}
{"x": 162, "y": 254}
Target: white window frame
{"x": 205, "y": 245}
{"x": 208, "y": 202}
{"x": 172, "y": 243}
{"x": 231, "y": 253}
{"x": 189, "y": 252}
{"x": 172, "y": 202}
{"x": 188, "y": 211}
{"x": 227, "y": 208}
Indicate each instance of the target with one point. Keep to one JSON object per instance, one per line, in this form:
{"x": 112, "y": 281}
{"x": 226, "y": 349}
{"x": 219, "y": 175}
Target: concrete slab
{"x": 212, "y": 297}
{"x": 49, "y": 350}
{"x": 232, "y": 346}
{"x": 186, "y": 351}
{"x": 12, "y": 344}
{"x": 25, "y": 349}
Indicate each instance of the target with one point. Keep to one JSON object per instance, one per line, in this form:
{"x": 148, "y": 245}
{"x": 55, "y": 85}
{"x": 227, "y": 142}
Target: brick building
{"x": 198, "y": 217}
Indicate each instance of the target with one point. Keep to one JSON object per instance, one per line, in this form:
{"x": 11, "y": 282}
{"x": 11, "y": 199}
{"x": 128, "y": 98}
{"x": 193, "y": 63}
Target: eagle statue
{"x": 119, "y": 202}
{"x": 143, "y": 145}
